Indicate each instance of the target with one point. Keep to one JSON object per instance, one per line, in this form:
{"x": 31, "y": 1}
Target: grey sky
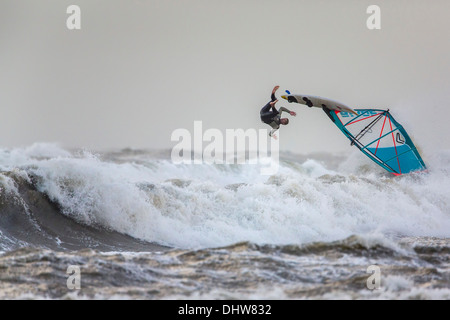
{"x": 137, "y": 70}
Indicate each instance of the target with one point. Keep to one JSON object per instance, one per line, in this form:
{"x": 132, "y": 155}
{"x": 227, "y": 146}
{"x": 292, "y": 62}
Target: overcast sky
{"x": 137, "y": 70}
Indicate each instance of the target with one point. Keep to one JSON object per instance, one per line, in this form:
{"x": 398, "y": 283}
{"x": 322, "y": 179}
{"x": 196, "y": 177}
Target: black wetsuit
{"x": 272, "y": 116}
{"x": 269, "y": 114}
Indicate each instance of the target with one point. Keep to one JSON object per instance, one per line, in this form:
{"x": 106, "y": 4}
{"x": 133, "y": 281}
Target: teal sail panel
{"x": 380, "y": 137}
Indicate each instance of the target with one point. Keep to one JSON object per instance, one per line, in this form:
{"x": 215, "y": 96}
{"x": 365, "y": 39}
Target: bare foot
{"x": 275, "y": 89}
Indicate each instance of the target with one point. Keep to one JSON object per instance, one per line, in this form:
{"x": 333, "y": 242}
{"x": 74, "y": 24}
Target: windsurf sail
{"x": 380, "y": 137}
{"x": 374, "y": 131}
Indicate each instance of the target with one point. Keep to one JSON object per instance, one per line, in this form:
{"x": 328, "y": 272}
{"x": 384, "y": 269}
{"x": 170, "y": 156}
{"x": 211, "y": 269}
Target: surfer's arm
{"x": 271, "y": 133}
{"x": 275, "y": 126}
{"x": 283, "y": 109}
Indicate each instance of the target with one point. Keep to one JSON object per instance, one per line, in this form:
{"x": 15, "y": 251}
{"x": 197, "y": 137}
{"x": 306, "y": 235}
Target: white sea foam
{"x": 191, "y": 206}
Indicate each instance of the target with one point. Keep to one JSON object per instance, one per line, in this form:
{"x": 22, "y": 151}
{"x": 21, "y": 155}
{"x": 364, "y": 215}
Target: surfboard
{"x": 374, "y": 132}
{"x": 318, "y": 102}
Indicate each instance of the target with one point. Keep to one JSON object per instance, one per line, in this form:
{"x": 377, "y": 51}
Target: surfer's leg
{"x": 267, "y": 117}
{"x": 273, "y": 93}
{"x": 266, "y": 108}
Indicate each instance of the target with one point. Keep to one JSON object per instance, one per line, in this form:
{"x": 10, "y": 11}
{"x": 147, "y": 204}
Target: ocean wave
{"x": 321, "y": 270}
{"x": 49, "y": 191}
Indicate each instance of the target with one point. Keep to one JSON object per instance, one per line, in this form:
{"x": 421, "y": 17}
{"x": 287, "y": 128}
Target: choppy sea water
{"x": 140, "y": 227}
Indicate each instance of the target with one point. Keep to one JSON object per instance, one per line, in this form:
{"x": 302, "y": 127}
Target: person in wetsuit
{"x": 271, "y": 116}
